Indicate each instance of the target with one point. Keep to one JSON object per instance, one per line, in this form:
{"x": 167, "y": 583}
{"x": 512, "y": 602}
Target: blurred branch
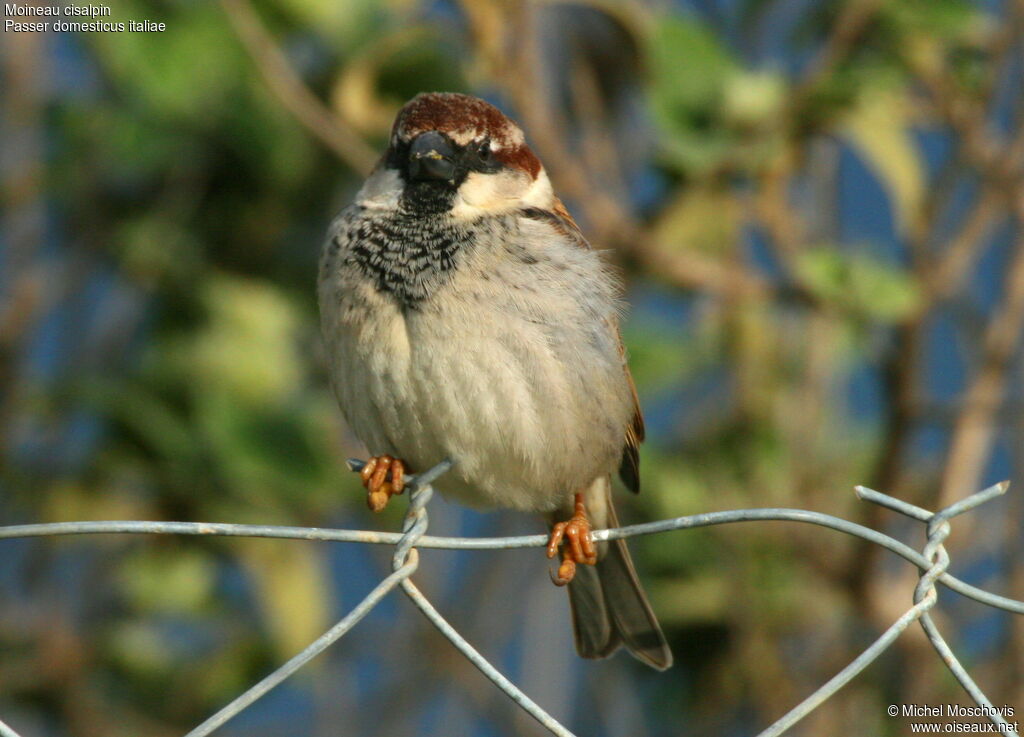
{"x": 853, "y": 21}
{"x": 1001, "y": 47}
{"x": 999, "y": 164}
{"x": 943, "y": 274}
{"x": 296, "y": 97}
{"x": 772, "y": 206}
{"x": 946, "y": 274}
{"x": 975, "y": 428}
{"x": 773, "y": 210}
{"x": 519, "y": 73}
{"x": 995, "y": 159}
{"x": 999, "y": 168}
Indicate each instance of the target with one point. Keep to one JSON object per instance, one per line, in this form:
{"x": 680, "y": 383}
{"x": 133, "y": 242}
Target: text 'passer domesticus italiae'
{"x": 467, "y": 318}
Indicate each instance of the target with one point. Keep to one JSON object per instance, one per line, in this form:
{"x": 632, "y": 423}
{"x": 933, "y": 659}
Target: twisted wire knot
{"x": 925, "y": 595}
{"x": 413, "y": 526}
{"x": 934, "y": 550}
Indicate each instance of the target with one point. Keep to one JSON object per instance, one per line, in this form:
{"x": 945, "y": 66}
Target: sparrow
{"x": 466, "y": 317}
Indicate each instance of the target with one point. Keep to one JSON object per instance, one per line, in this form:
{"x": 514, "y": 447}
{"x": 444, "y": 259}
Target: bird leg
{"x": 577, "y": 544}
{"x": 383, "y": 476}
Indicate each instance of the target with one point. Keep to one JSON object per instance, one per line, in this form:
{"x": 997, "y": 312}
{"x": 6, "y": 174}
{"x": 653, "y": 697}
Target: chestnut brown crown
{"x": 466, "y": 119}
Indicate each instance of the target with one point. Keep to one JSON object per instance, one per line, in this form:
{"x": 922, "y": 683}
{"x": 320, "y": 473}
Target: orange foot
{"x": 578, "y": 545}
{"x": 383, "y": 476}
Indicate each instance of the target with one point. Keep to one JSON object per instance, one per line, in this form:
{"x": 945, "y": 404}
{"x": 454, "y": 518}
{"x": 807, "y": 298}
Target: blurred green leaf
{"x": 154, "y": 247}
{"x": 689, "y": 69}
{"x": 705, "y": 219}
{"x": 66, "y": 501}
{"x": 690, "y": 63}
{"x": 265, "y": 456}
{"x": 879, "y": 127}
{"x": 248, "y": 348}
{"x": 754, "y": 99}
{"x": 167, "y": 580}
{"x": 940, "y": 20}
{"x": 858, "y": 281}
{"x": 147, "y": 416}
{"x": 185, "y": 71}
{"x": 344, "y": 24}
{"x": 141, "y": 648}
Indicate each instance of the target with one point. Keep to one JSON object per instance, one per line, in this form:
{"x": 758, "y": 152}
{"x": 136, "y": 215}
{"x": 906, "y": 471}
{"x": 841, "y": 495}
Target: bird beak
{"x": 431, "y": 157}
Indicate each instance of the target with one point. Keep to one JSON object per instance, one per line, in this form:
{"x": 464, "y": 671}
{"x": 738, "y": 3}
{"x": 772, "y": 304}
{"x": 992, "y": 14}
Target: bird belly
{"x": 518, "y": 419}
{"x": 513, "y": 410}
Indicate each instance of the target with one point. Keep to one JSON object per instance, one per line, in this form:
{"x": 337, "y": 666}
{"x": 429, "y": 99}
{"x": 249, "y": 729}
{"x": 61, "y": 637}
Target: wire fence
{"x": 932, "y": 561}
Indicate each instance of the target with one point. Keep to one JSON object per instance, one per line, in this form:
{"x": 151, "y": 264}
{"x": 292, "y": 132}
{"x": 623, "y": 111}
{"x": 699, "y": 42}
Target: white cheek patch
{"x": 540, "y": 194}
{"x": 490, "y": 194}
{"x": 381, "y": 190}
{"x": 487, "y": 194}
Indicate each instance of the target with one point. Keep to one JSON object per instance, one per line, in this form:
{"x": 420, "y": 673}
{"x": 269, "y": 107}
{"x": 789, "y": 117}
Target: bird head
{"x": 457, "y": 154}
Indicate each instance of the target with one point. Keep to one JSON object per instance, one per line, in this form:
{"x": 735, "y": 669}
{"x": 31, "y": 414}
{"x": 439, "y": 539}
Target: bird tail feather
{"x": 609, "y": 606}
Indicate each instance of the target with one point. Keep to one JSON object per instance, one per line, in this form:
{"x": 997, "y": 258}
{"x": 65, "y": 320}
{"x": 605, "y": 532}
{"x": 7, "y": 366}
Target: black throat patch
{"x": 429, "y": 198}
{"x": 408, "y": 254}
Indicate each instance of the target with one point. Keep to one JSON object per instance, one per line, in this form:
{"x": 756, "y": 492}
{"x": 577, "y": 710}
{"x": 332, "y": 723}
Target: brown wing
{"x": 629, "y": 467}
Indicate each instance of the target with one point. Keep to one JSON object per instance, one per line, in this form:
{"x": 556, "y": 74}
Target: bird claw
{"x": 566, "y": 573}
{"x": 574, "y": 536}
{"x": 383, "y": 477}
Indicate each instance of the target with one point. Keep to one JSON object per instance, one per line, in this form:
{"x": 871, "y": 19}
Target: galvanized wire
{"x": 414, "y": 526}
{"x": 932, "y": 562}
{"x": 925, "y": 597}
{"x": 708, "y": 519}
{"x": 318, "y": 646}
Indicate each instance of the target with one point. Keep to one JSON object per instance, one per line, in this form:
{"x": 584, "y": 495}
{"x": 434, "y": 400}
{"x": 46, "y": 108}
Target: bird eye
{"x": 486, "y": 155}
